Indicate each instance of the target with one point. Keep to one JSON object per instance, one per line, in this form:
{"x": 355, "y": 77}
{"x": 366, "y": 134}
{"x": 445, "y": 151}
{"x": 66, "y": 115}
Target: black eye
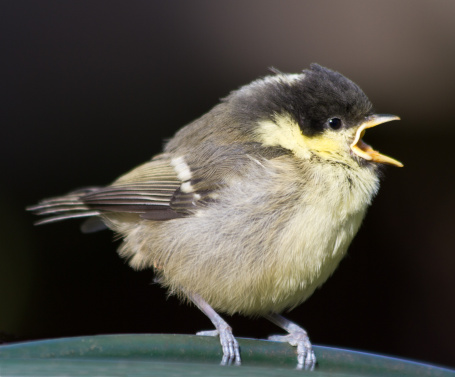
{"x": 335, "y": 123}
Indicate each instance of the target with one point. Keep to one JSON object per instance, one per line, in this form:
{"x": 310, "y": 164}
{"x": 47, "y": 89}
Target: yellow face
{"x": 339, "y": 145}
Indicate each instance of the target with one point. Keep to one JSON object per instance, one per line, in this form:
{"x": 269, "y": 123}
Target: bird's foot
{"x": 305, "y": 355}
{"x": 231, "y": 349}
{"x": 297, "y": 337}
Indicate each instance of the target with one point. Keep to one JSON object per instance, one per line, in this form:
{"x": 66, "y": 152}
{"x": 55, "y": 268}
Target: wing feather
{"x": 147, "y": 189}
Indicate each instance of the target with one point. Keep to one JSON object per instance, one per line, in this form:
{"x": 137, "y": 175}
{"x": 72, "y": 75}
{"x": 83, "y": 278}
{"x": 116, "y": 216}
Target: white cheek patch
{"x": 284, "y": 132}
{"x": 181, "y": 168}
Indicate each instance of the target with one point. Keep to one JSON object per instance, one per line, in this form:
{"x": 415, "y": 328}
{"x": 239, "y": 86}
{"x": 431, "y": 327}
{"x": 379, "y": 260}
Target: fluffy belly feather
{"x": 274, "y": 262}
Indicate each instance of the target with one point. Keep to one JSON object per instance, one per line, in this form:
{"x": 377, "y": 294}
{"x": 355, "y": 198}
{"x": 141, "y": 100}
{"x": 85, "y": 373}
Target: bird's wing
{"x": 173, "y": 185}
{"x": 149, "y": 188}
{"x": 167, "y": 187}
{"x": 156, "y": 190}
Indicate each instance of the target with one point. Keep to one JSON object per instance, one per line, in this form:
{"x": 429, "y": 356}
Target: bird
{"x": 251, "y": 207}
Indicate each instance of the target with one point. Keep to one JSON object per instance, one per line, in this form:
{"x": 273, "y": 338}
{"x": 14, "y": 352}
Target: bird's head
{"x": 316, "y": 113}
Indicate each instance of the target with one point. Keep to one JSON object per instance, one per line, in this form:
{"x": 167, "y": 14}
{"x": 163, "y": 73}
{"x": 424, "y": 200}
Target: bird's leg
{"x": 231, "y": 351}
{"x": 297, "y": 337}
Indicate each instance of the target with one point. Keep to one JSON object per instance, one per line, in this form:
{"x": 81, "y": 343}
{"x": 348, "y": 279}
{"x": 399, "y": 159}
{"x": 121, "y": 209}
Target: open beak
{"x": 362, "y": 149}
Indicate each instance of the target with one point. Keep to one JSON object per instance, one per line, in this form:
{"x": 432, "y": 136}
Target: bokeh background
{"x": 89, "y": 89}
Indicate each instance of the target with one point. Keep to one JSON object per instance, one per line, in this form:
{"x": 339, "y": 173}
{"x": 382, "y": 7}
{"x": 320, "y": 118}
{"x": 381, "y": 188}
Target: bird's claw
{"x": 230, "y": 346}
{"x": 305, "y": 354}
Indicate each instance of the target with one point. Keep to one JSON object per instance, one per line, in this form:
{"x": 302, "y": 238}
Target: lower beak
{"x": 363, "y": 150}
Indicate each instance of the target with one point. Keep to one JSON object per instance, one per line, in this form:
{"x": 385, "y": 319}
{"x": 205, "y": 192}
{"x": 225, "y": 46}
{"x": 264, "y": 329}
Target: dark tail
{"x": 64, "y": 207}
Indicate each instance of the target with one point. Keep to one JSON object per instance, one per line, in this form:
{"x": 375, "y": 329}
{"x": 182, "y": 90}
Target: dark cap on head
{"x": 324, "y": 94}
{"x": 313, "y": 98}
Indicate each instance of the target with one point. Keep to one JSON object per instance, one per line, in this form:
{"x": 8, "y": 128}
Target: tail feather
{"x": 68, "y": 215}
{"x": 64, "y": 207}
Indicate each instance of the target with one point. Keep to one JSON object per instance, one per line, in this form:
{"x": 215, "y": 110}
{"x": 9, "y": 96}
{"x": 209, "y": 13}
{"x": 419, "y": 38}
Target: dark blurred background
{"x": 89, "y": 89}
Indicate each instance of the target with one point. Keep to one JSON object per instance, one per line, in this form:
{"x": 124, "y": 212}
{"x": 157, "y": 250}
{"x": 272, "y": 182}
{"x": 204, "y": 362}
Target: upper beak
{"x": 363, "y": 150}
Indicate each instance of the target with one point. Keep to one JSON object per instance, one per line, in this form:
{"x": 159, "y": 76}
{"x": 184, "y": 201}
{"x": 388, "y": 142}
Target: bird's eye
{"x": 335, "y": 123}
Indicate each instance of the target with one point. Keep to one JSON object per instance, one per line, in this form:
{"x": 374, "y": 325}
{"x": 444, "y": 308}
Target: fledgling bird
{"x": 251, "y": 207}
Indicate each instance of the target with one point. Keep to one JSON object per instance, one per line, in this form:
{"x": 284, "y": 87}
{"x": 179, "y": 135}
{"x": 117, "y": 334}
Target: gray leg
{"x": 231, "y": 352}
{"x": 297, "y": 337}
